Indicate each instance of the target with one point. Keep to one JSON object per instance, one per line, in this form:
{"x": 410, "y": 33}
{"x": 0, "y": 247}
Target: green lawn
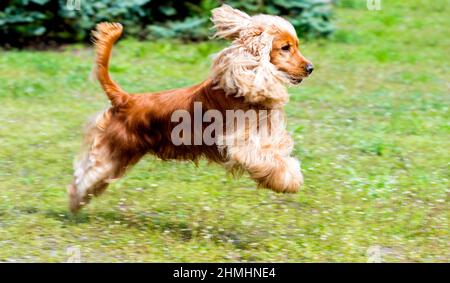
{"x": 371, "y": 127}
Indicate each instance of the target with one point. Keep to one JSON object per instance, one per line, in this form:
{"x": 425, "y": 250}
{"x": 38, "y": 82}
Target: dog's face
{"x": 263, "y": 58}
{"x": 286, "y": 57}
{"x": 284, "y": 52}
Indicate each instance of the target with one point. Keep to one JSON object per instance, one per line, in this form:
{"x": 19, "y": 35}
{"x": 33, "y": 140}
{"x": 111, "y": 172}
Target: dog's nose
{"x": 309, "y": 68}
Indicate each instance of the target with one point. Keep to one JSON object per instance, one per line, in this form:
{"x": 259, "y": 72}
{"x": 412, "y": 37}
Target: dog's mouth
{"x": 295, "y": 81}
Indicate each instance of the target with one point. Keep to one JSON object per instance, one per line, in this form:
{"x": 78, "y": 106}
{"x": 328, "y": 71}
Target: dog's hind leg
{"x": 94, "y": 169}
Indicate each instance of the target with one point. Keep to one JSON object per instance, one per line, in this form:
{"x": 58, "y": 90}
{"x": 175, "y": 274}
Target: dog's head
{"x": 263, "y": 58}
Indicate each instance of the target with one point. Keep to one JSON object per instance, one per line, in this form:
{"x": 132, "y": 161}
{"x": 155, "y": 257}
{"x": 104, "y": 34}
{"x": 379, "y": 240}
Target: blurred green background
{"x": 33, "y": 22}
{"x": 371, "y": 126}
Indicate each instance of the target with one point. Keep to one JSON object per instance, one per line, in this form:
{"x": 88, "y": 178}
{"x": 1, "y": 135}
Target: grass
{"x": 371, "y": 127}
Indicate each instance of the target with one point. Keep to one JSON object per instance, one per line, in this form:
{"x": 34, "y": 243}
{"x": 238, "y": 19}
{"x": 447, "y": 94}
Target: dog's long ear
{"x": 268, "y": 83}
{"x": 229, "y": 22}
{"x": 244, "y": 69}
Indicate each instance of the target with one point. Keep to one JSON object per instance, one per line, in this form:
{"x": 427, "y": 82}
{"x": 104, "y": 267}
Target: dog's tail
{"x": 104, "y": 36}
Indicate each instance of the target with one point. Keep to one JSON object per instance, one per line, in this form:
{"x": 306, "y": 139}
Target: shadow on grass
{"x": 182, "y": 230}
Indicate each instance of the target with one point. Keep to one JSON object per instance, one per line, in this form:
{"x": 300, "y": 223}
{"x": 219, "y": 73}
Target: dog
{"x": 251, "y": 74}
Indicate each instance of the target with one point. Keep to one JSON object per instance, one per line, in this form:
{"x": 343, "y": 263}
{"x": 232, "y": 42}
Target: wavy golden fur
{"x": 251, "y": 74}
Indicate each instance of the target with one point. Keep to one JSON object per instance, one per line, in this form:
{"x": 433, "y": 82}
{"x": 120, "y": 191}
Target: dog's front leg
{"x": 280, "y": 174}
{"x": 268, "y": 162}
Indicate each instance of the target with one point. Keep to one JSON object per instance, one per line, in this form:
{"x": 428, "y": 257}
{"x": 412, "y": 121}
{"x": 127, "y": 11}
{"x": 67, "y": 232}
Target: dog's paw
{"x": 282, "y": 177}
{"x": 74, "y": 201}
{"x": 292, "y": 177}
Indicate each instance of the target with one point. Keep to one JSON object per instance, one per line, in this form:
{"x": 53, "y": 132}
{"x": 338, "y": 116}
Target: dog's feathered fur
{"x": 242, "y": 78}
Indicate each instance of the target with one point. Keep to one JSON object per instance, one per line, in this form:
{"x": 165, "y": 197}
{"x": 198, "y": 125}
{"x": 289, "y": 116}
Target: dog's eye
{"x": 286, "y": 47}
